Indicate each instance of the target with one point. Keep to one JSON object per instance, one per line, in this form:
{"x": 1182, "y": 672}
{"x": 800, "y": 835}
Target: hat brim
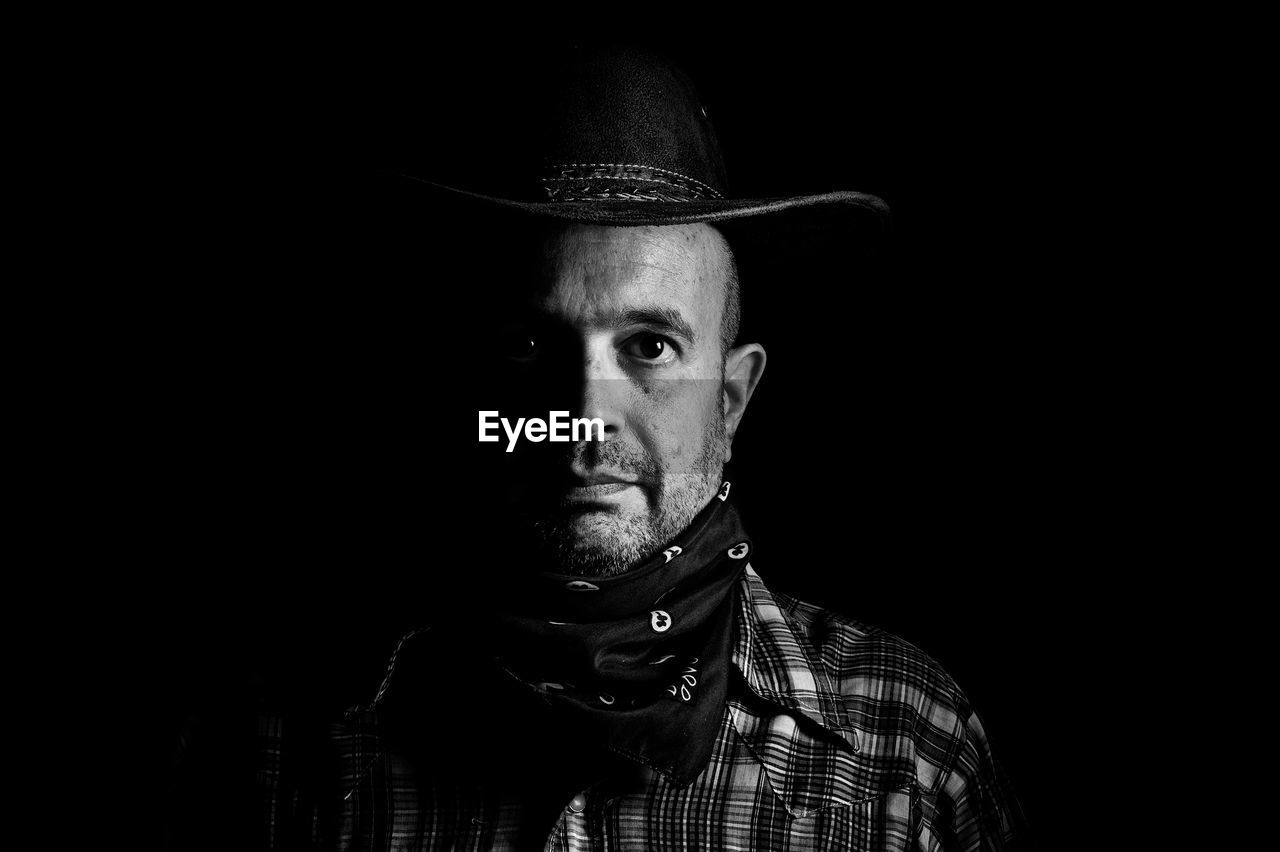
{"x": 793, "y": 253}
{"x": 867, "y": 208}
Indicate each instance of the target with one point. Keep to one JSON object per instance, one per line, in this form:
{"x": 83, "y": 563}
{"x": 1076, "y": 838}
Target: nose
{"x": 603, "y": 388}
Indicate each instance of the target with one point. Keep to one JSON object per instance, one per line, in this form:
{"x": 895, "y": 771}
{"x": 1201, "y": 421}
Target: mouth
{"x": 597, "y": 488}
{"x": 600, "y": 489}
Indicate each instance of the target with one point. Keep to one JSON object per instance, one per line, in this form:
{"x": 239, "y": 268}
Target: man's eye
{"x": 649, "y": 347}
{"x": 519, "y": 346}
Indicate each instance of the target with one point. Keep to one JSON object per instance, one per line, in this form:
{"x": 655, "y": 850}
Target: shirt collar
{"x": 780, "y": 667}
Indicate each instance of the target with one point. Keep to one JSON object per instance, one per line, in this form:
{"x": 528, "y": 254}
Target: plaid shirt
{"x": 835, "y": 736}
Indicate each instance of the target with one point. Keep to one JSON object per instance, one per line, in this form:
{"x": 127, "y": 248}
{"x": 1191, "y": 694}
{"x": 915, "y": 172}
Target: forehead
{"x": 590, "y": 272}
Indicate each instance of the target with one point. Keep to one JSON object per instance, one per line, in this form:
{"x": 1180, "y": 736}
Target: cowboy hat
{"x": 620, "y": 137}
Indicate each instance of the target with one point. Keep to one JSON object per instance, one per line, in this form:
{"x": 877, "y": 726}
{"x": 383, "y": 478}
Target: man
{"x": 616, "y": 675}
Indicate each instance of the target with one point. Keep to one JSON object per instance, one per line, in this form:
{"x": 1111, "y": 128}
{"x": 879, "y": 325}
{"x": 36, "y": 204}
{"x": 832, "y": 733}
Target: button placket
{"x": 572, "y": 831}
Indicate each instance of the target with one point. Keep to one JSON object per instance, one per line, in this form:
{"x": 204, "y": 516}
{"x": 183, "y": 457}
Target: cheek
{"x": 672, "y": 420}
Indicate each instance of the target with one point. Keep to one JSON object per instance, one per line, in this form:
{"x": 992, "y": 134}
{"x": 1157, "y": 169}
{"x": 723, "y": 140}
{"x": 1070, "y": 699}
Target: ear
{"x": 743, "y": 367}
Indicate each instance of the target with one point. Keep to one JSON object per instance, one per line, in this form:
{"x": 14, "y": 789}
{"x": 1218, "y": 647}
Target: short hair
{"x": 731, "y": 320}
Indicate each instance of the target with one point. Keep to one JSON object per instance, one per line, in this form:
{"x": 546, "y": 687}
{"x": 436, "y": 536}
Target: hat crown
{"x": 628, "y": 125}
{"x": 609, "y": 137}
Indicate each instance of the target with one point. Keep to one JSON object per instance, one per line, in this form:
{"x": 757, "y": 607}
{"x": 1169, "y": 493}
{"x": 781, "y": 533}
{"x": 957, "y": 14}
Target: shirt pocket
{"x": 884, "y": 822}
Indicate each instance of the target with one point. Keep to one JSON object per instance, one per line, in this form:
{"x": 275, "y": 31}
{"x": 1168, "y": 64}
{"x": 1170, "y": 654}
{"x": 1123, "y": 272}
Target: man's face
{"x": 626, "y": 324}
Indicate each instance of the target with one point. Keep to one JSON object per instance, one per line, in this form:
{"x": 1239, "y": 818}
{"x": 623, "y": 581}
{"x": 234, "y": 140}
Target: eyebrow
{"x": 656, "y": 316}
{"x": 665, "y": 319}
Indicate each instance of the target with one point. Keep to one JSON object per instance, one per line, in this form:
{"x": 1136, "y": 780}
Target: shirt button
{"x": 578, "y": 803}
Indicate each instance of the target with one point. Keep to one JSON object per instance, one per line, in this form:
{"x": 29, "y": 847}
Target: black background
{"x": 926, "y": 451}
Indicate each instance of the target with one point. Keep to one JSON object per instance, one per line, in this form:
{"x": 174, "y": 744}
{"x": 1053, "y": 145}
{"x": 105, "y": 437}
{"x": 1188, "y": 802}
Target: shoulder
{"x": 866, "y": 662}
{"x": 906, "y": 707}
{"x": 246, "y": 774}
{"x": 902, "y": 703}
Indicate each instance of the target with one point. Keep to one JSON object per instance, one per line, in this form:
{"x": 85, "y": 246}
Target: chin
{"x": 600, "y": 543}
{"x": 610, "y": 537}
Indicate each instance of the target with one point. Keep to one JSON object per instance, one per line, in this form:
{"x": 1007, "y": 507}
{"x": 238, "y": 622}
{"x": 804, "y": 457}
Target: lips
{"x": 599, "y": 489}
{"x": 580, "y": 477}
{"x": 596, "y": 485}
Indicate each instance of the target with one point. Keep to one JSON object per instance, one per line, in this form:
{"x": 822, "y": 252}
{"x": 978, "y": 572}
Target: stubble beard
{"x": 609, "y": 543}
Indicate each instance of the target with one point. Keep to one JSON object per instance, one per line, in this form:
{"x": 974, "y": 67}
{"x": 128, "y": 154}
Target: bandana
{"x": 638, "y": 663}
{"x": 576, "y": 673}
